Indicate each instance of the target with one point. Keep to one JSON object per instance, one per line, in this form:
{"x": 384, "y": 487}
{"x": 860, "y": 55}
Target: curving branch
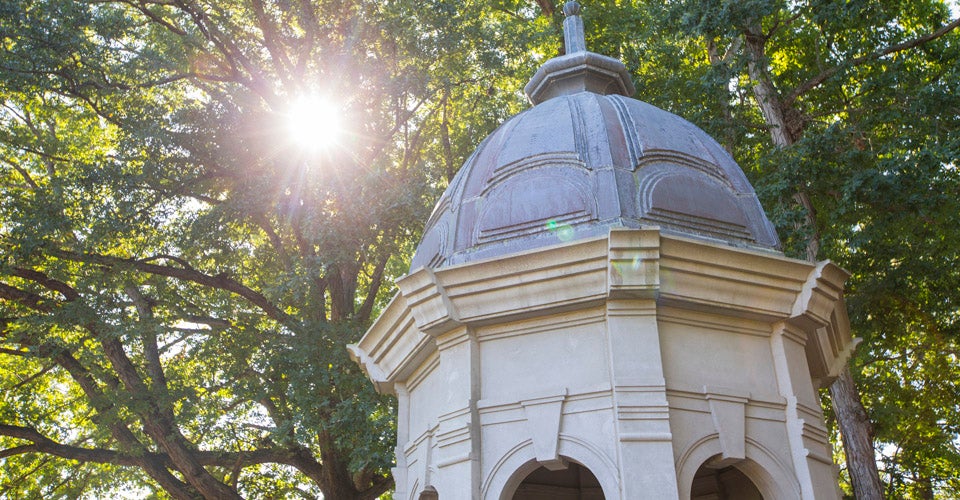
{"x": 82, "y": 376}
{"x": 144, "y": 9}
{"x": 151, "y": 351}
{"x": 271, "y": 40}
{"x": 219, "y": 281}
{"x": 158, "y": 422}
{"x": 47, "y": 282}
{"x": 309, "y": 24}
{"x": 24, "y": 298}
{"x": 42, "y": 444}
{"x": 825, "y": 75}
{"x": 22, "y": 171}
{"x": 225, "y": 44}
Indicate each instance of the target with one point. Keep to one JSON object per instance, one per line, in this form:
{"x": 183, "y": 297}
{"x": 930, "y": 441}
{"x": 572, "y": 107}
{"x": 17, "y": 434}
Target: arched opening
{"x": 723, "y": 483}
{"x": 429, "y": 493}
{"x": 576, "y": 482}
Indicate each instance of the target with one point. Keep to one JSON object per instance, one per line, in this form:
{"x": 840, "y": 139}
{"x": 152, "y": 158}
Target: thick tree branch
{"x": 158, "y": 423}
{"x": 148, "y": 335}
{"x": 92, "y": 390}
{"x": 275, "y": 240}
{"x": 376, "y": 281}
{"x": 320, "y": 283}
{"x": 18, "y": 450}
{"x": 546, "y": 7}
{"x": 379, "y": 486}
{"x": 781, "y": 117}
{"x": 23, "y": 172}
{"x": 340, "y": 302}
{"x": 14, "y": 352}
{"x": 764, "y": 90}
{"x": 257, "y": 82}
{"x": 855, "y": 432}
{"x": 172, "y": 258}
{"x": 155, "y": 17}
{"x": 42, "y": 279}
{"x": 823, "y": 76}
{"x": 272, "y": 43}
{"x": 42, "y": 444}
{"x": 220, "y": 281}
{"x": 119, "y": 430}
{"x": 24, "y": 298}
{"x": 308, "y": 22}
{"x": 31, "y": 378}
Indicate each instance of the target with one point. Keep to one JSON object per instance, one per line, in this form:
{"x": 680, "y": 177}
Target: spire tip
{"x": 571, "y": 9}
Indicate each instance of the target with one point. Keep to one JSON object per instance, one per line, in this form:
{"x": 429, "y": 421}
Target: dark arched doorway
{"x": 429, "y": 493}
{"x": 576, "y": 482}
{"x": 725, "y": 483}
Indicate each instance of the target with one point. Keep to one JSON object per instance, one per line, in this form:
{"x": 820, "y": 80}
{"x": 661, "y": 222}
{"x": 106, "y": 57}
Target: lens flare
{"x": 314, "y": 123}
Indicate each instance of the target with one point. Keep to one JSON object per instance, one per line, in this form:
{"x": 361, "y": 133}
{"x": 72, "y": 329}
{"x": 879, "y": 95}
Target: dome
{"x": 587, "y": 157}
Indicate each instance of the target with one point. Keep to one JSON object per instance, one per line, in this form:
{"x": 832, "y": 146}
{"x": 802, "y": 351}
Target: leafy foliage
{"x": 178, "y": 278}
{"x": 845, "y": 115}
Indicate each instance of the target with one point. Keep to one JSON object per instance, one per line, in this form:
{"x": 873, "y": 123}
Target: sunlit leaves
{"x": 876, "y": 153}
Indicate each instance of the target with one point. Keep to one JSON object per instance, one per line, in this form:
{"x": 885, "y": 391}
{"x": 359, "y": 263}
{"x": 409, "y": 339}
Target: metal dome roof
{"x": 586, "y": 158}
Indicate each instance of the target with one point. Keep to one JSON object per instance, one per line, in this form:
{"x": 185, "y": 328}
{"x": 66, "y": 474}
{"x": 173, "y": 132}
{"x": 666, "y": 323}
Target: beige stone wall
{"x": 640, "y": 356}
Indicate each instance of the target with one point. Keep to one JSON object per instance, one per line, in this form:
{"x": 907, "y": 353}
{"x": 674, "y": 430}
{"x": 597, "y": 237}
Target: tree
{"x": 847, "y": 112}
{"x": 178, "y": 278}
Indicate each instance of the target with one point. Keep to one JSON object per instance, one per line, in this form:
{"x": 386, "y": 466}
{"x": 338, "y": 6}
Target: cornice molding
{"x": 675, "y": 273}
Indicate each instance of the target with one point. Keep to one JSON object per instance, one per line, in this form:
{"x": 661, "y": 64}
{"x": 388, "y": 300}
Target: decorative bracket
{"x": 543, "y": 424}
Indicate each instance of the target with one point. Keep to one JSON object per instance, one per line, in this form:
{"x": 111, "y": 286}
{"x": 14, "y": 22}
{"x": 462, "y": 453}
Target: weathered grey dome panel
{"x": 585, "y": 158}
{"x": 575, "y": 165}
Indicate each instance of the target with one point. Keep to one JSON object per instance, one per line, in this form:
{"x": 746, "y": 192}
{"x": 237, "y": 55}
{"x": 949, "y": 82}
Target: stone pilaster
{"x": 645, "y": 448}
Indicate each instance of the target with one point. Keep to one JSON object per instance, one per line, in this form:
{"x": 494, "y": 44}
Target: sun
{"x": 314, "y": 123}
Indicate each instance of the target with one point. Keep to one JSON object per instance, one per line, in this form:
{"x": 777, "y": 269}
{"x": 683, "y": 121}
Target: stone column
{"x": 645, "y": 449}
{"x": 457, "y": 458}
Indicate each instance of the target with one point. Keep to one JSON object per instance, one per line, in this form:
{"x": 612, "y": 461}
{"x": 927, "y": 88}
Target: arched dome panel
{"x": 534, "y": 200}
{"x": 636, "y": 165}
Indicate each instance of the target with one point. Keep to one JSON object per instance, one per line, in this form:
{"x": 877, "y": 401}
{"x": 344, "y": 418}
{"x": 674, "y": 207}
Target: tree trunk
{"x": 851, "y": 415}
{"x": 336, "y": 481}
{"x": 924, "y": 488}
{"x": 857, "y": 443}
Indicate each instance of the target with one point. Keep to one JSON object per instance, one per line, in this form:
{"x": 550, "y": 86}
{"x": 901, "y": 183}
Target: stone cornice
{"x": 821, "y": 313}
{"x": 627, "y": 264}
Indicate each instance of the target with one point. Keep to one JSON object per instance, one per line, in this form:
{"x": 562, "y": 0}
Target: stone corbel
{"x": 432, "y": 309}
{"x": 380, "y": 381}
{"x": 633, "y": 270}
{"x": 543, "y": 423}
{"x": 821, "y": 313}
{"x": 727, "y": 407}
{"x": 816, "y": 302}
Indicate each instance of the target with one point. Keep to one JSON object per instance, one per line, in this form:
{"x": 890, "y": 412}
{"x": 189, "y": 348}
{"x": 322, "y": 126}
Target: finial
{"x": 578, "y": 70}
{"x": 571, "y": 9}
{"x": 573, "y": 36}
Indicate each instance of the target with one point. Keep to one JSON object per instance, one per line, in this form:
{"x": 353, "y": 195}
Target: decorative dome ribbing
{"x": 584, "y": 158}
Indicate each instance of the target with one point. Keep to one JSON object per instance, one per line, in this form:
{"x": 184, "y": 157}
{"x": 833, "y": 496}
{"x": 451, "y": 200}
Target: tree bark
{"x": 855, "y": 428}
{"x": 336, "y": 482}
{"x": 924, "y": 489}
{"x": 857, "y": 442}
{"x": 158, "y": 423}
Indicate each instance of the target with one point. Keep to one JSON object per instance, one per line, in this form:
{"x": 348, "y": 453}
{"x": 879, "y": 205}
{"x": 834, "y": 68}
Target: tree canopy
{"x": 178, "y": 277}
{"x": 845, "y": 116}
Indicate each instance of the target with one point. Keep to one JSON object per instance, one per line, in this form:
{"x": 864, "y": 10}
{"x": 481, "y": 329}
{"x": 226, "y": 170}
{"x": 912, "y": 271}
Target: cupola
{"x": 587, "y": 157}
{"x": 599, "y": 310}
